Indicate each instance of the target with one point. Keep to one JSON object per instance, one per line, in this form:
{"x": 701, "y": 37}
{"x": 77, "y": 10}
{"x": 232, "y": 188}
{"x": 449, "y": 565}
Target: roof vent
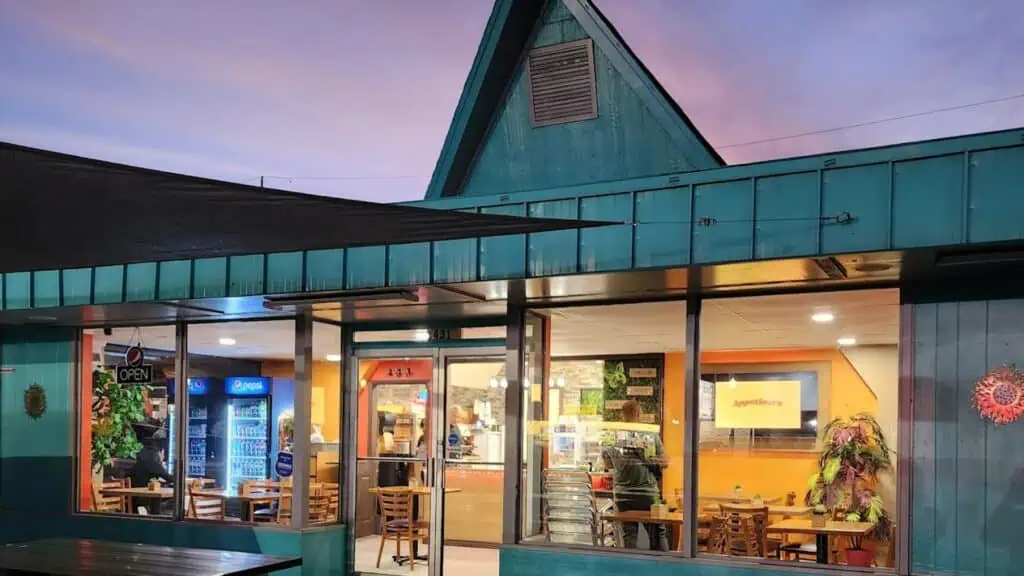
{"x": 561, "y": 81}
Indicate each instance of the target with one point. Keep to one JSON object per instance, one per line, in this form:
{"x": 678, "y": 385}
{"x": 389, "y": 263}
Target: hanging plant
{"x": 115, "y": 409}
{"x": 999, "y": 395}
{"x": 35, "y": 401}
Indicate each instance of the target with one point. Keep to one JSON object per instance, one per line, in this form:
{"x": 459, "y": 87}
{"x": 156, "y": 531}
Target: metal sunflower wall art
{"x": 999, "y": 395}
{"x": 35, "y": 401}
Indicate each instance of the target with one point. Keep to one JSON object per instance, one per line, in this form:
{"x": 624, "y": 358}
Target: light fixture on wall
{"x": 333, "y": 357}
{"x": 822, "y": 317}
{"x": 227, "y": 341}
{"x": 494, "y": 383}
{"x": 504, "y": 383}
{"x": 847, "y": 341}
{"x": 421, "y": 336}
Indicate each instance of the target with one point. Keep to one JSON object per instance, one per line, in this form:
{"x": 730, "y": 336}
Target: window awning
{"x": 63, "y": 211}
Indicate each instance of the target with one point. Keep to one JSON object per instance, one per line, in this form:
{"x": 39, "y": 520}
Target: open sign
{"x": 135, "y": 374}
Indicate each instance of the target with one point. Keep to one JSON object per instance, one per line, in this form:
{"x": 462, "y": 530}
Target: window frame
{"x": 303, "y": 343}
{"x": 691, "y": 447}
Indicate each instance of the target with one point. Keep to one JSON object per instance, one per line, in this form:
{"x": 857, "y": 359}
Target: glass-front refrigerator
{"x": 198, "y": 451}
{"x": 248, "y": 429}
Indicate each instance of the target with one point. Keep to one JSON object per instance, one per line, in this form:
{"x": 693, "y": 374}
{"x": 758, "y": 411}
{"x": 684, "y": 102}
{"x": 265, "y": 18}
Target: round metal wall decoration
{"x": 999, "y": 395}
{"x": 35, "y": 401}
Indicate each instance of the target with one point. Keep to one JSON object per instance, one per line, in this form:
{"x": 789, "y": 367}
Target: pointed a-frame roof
{"x": 506, "y": 40}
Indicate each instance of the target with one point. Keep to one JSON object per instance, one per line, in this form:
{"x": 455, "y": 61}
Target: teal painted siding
{"x": 210, "y": 278}
{"x": 76, "y": 286}
{"x": 611, "y": 247}
{"x": 996, "y": 194}
{"x": 533, "y": 562}
{"x": 862, "y": 192}
{"x": 503, "y": 256}
{"x": 366, "y": 267}
{"x": 409, "y": 264}
{"x": 968, "y": 485}
{"x": 325, "y": 270}
{"x": 284, "y": 272}
{"x": 553, "y": 252}
{"x": 624, "y": 141}
{"x": 786, "y": 208}
{"x": 932, "y": 187}
{"x": 18, "y": 290}
{"x": 46, "y": 288}
{"x": 728, "y": 236}
{"x": 245, "y": 275}
{"x": 661, "y": 236}
{"x": 108, "y": 285}
{"x": 140, "y": 282}
{"x": 175, "y": 280}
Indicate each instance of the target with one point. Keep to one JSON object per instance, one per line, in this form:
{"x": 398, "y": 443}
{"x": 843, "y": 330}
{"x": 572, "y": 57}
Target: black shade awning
{"x": 62, "y": 211}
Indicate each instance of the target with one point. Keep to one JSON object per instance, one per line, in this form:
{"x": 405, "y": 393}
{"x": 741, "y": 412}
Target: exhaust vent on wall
{"x": 562, "y": 83}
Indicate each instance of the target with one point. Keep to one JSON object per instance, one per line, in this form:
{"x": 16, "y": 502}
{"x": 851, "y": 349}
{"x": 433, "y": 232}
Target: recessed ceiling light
{"x": 227, "y": 341}
{"x": 333, "y": 357}
{"x": 823, "y": 317}
{"x": 847, "y": 341}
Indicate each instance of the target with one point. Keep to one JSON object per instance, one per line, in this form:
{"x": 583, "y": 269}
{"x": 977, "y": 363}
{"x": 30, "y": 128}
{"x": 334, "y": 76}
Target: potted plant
{"x": 115, "y": 410}
{"x": 853, "y": 454}
{"x": 659, "y": 509}
{"x": 757, "y": 500}
{"x": 819, "y": 514}
{"x": 737, "y": 492}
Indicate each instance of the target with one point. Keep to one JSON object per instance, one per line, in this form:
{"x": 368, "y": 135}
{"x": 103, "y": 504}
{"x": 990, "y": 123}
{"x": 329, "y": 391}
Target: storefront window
{"x": 798, "y": 417}
{"x": 240, "y": 413}
{"x": 325, "y": 424}
{"x": 126, "y": 462}
{"x": 604, "y": 429}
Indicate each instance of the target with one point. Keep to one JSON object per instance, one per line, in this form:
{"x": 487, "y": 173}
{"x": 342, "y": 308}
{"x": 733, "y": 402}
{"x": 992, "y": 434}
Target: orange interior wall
{"x": 366, "y": 367}
{"x": 326, "y": 375}
{"x": 770, "y": 473}
{"x": 85, "y": 426}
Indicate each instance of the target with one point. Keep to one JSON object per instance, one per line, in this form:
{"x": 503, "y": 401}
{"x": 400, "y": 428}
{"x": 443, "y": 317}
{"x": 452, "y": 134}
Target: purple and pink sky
{"x": 354, "y": 97}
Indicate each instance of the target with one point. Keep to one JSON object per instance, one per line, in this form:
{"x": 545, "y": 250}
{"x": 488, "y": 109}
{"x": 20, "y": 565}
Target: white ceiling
{"x": 870, "y": 316}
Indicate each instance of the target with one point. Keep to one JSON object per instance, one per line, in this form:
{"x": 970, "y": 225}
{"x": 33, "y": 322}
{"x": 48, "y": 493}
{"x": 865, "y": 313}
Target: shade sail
{"x": 62, "y": 211}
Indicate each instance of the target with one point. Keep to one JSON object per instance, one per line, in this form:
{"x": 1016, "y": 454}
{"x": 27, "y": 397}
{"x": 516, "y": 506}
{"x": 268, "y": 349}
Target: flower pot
{"x": 818, "y": 520}
{"x": 859, "y": 557}
{"x": 757, "y": 502}
{"x": 659, "y": 510}
{"x": 154, "y": 485}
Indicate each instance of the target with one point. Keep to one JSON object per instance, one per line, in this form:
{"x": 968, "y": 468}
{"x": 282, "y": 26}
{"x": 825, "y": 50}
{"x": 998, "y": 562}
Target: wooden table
{"x": 822, "y": 534}
{"x": 253, "y": 497}
{"x": 141, "y": 492}
{"x": 736, "y": 499}
{"x": 787, "y": 511}
{"x": 674, "y": 519}
{"x": 69, "y": 557}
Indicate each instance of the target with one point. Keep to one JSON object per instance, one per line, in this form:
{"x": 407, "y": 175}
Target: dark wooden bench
{"x": 67, "y": 557}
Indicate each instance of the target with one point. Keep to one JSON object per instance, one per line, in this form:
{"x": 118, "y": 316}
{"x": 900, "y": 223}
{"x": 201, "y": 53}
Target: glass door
{"x": 394, "y": 454}
{"x": 472, "y": 470}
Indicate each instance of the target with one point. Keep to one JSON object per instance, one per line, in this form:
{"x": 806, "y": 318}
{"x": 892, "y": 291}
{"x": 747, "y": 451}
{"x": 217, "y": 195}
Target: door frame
{"x": 436, "y": 461}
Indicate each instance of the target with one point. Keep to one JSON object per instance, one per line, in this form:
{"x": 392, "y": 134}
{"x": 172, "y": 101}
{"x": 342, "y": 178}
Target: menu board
{"x": 637, "y": 379}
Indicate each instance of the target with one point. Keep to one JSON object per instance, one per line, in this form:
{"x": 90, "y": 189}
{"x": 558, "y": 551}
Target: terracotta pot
{"x": 859, "y": 557}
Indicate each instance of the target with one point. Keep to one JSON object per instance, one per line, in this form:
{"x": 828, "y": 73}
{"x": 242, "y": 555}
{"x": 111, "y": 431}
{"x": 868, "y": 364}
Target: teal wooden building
{"x": 559, "y": 119}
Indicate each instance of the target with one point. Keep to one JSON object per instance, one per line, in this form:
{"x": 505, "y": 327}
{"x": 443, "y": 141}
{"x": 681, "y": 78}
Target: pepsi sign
{"x": 247, "y": 386}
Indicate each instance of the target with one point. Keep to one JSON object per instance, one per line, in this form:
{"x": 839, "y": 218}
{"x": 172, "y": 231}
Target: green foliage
{"x": 115, "y": 408}
{"x": 854, "y": 452}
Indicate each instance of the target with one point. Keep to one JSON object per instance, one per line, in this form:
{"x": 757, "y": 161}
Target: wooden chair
{"x": 262, "y": 511}
{"x": 809, "y": 550}
{"x": 204, "y": 507}
{"x": 712, "y": 538}
{"x": 333, "y": 490}
{"x": 746, "y": 531}
{"x": 113, "y": 504}
{"x": 397, "y": 521}
{"x": 319, "y": 503}
{"x": 284, "y": 503}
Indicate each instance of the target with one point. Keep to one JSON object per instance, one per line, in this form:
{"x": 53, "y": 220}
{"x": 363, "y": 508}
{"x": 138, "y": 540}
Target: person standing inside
{"x": 637, "y": 459}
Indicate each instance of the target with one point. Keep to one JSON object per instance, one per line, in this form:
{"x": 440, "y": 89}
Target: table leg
{"x": 822, "y": 546}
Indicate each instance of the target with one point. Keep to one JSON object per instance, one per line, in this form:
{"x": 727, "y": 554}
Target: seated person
{"x": 149, "y": 465}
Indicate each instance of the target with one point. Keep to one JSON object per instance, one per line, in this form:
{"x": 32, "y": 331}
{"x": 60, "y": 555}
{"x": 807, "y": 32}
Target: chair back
{"x": 284, "y": 503}
{"x": 318, "y": 503}
{"x": 395, "y": 505}
{"x": 205, "y": 507}
{"x": 251, "y": 486}
{"x": 745, "y": 530}
{"x": 716, "y": 534}
{"x": 101, "y": 503}
{"x": 333, "y": 491}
